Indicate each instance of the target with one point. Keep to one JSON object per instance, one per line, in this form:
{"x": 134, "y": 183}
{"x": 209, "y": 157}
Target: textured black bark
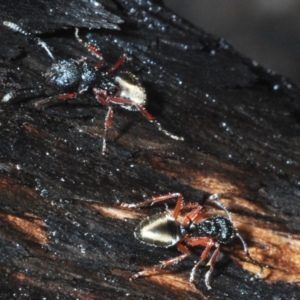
{"x": 242, "y": 136}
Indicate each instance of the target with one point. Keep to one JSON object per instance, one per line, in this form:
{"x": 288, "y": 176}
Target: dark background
{"x": 266, "y": 31}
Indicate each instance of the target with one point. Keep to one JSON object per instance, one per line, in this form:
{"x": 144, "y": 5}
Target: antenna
{"x": 19, "y": 29}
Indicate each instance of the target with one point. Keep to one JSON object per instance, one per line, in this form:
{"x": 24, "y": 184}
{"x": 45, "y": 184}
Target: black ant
{"x": 77, "y": 74}
{"x": 193, "y": 230}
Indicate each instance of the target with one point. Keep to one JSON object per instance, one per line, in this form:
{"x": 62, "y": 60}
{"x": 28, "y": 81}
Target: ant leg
{"x": 34, "y": 93}
{"x": 211, "y": 264}
{"x": 179, "y": 206}
{"x": 149, "y": 117}
{"x": 82, "y": 60}
{"x": 39, "y": 42}
{"x": 159, "y": 199}
{"x": 101, "y": 96}
{"x": 23, "y": 94}
{"x": 205, "y": 242}
{"x": 169, "y": 262}
{"x": 117, "y": 65}
{"x": 195, "y": 215}
{"x": 92, "y": 49}
{"x": 108, "y": 120}
{"x": 61, "y": 97}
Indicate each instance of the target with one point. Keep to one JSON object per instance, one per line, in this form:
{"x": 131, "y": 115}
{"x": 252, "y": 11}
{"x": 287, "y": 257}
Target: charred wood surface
{"x": 63, "y": 234}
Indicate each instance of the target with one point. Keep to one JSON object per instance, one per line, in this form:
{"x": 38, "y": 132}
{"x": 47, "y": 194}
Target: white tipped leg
{"x": 167, "y": 133}
{"x": 9, "y": 96}
{"x": 108, "y": 120}
{"x": 192, "y": 275}
{"x": 207, "y": 278}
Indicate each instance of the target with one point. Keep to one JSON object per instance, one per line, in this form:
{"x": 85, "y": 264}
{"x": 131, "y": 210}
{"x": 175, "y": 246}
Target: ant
{"x": 68, "y": 75}
{"x": 192, "y": 230}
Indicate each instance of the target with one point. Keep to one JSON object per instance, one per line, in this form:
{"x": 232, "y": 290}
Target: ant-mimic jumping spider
{"x": 68, "y": 75}
{"x": 168, "y": 229}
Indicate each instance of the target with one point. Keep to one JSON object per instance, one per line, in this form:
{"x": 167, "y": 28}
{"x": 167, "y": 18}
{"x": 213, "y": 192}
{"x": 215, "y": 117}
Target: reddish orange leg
{"x": 179, "y": 206}
{"x": 195, "y": 215}
{"x": 158, "y": 199}
{"x": 208, "y": 244}
{"x": 149, "y": 117}
{"x": 166, "y": 263}
{"x": 211, "y": 264}
{"x": 61, "y": 97}
{"x": 120, "y": 101}
{"x": 101, "y": 97}
{"x": 117, "y": 65}
{"x": 96, "y": 52}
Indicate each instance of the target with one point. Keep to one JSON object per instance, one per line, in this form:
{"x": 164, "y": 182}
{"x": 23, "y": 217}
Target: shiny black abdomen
{"x": 159, "y": 230}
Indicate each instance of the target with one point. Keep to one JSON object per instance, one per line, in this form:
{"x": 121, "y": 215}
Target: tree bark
{"x": 63, "y": 234}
